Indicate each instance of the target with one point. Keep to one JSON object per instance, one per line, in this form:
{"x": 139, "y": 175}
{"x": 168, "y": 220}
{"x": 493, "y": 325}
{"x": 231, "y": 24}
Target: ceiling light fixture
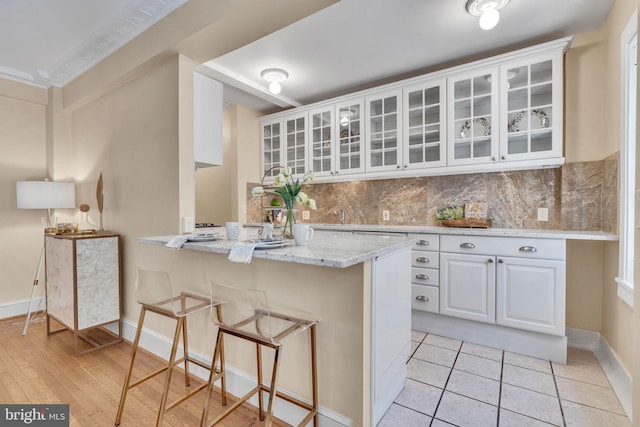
{"x": 274, "y": 76}
{"x": 487, "y": 10}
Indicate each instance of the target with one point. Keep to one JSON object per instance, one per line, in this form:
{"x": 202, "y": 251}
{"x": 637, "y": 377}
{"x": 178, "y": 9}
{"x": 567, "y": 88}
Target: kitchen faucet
{"x": 341, "y": 216}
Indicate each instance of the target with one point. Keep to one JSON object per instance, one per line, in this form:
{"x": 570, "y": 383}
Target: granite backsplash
{"x": 580, "y": 196}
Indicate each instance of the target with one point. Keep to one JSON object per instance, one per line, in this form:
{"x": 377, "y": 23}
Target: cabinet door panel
{"x": 349, "y": 127}
{"x": 383, "y": 134}
{"x": 322, "y": 141}
{"x": 467, "y": 286}
{"x": 531, "y": 295}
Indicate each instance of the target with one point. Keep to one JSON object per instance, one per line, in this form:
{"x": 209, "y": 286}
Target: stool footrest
{"x": 234, "y": 406}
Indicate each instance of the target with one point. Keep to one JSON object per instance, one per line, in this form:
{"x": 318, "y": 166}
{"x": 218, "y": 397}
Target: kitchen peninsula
{"x": 358, "y": 286}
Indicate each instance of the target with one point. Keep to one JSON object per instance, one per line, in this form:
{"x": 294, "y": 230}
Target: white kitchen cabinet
{"x": 472, "y": 108}
{"x": 271, "y": 147}
{"x": 284, "y": 143}
{"x": 383, "y": 136}
{"x": 349, "y": 124}
{"x": 322, "y": 141}
{"x": 424, "y": 129}
{"x": 513, "y": 282}
{"x": 468, "y": 286}
{"x": 530, "y": 294}
{"x": 425, "y": 274}
{"x": 531, "y": 107}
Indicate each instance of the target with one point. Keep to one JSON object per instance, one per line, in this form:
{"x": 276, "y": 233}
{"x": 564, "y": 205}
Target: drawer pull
{"x": 422, "y": 243}
{"x": 422, "y": 277}
{"x": 527, "y": 249}
{"x": 467, "y": 245}
{"x": 422, "y": 259}
{"x": 490, "y": 260}
{"x": 422, "y": 298}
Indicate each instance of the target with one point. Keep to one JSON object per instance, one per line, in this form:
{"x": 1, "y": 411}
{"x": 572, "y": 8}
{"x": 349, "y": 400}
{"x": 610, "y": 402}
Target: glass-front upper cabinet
{"x": 322, "y": 141}
{"x": 531, "y": 104}
{"x": 350, "y": 129}
{"x": 271, "y": 141}
{"x": 424, "y": 125}
{"x": 383, "y": 131}
{"x": 295, "y": 143}
{"x": 472, "y": 99}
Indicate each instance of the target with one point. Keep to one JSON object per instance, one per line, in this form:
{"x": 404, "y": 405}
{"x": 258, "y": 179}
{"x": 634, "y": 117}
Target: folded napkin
{"x": 177, "y": 242}
{"x": 242, "y": 252}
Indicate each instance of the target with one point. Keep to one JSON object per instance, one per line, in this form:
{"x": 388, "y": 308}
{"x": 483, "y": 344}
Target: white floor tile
{"x": 527, "y": 362}
{"x": 433, "y": 354}
{"x": 577, "y": 415}
{"x": 439, "y": 423}
{"x": 482, "y": 351}
{"x": 428, "y": 373}
{"x": 400, "y": 416}
{"x": 581, "y": 366}
{"x": 479, "y": 365}
{"x": 418, "y": 336}
{"x": 420, "y": 397}
{"x": 511, "y": 419}
{"x": 474, "y": 386}
{"x": 589, "y": 394}
{"x": 414, "y": 347}
{"x": 532, "y": 404}
{"x": 527, "y": 378}
{"x": 465, "y": 412}
{"x": 444, "y": 342}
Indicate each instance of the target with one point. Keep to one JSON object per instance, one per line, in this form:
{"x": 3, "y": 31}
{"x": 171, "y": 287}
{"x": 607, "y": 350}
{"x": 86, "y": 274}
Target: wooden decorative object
{"x": 467, "y": 223}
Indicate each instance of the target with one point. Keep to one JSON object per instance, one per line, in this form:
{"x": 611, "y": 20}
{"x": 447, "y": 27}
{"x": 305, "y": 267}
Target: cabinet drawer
{"x": 426, "y": 242}
{"x": 524, "y": 247}
{"x": 425, "y": 276}
{"x": 425, "y": 259}
{"x": 424, "y": 298}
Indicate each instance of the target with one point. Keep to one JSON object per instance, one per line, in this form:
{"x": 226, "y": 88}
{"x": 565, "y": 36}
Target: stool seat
{"x": 245, "y": 314}
{"x": 154, "y": 293}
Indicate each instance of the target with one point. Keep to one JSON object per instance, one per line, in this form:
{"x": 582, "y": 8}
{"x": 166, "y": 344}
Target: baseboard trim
{"x": 19, "y": 308}
{"x": 238, "y": 382}
{"x": 615, "y": 372}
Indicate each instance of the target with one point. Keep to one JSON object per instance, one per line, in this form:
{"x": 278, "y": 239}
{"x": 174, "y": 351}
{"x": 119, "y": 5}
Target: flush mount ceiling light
{"x": 487, "y": 10}
{"x": 274, "y": 76}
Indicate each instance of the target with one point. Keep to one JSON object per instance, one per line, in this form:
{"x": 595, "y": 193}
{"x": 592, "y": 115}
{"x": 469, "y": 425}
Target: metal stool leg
{"x": 274, "y": 387}
{"x": 127, "y": 381}
{"x": 217, "y": 354}
{"x": 167, "y": 378}
{"x": 260, "y": 385}
{"x": 314, "y": 374}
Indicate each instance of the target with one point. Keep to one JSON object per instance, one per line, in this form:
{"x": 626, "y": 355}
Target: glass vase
{"x": 289, "y": 219}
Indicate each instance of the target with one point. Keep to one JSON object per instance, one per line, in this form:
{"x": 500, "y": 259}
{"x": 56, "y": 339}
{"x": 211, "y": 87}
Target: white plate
{"x": 538, "y": 120}
{"x": 481, "y": 127}
{"x": 270, "y": 244}
{"x": 202, "y": 238}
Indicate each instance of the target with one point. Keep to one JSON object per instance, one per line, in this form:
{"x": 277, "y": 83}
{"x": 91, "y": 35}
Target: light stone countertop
{"x": 504, "y": 232}
{"x": 327, "y": 248}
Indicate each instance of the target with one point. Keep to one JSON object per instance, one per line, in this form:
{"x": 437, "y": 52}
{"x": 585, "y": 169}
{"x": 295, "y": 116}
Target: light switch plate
{"x": 187, "y": 224}
{"x": 543, "y": 214}
{"x": 306, "y": 215}
{"x": 385, "y": 215}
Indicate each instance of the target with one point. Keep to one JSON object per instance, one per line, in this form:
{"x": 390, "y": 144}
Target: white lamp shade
{"x": 489, "y": 19}
{"x": 45, "y": 194}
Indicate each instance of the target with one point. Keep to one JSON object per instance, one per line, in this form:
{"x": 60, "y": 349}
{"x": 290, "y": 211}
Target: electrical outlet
{"x": 306, "y": 214}
{"x": 187, "y": 224}
{"x": 543, "y": 214}
{"x": 385, "y": 215}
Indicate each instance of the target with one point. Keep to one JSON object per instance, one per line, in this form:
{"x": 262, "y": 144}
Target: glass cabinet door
{"x": 473, "y": 106}
{"x": 349, "y": 127}
{"x": 295, "y": 137}
{"x": 321, "y": 141}
{"x": 424, "y": 125}
{"x": 271, "y": 148}
{"x": 530, "y": 100}
{"x": 383, "y": 132}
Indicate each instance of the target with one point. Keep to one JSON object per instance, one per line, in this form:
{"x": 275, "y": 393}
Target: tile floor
{"x": 457, "y": 383}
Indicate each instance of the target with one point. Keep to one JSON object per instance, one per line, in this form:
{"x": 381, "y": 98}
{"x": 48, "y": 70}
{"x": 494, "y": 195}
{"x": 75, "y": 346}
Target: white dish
{"x": 538, "y": 120}
{"x": 481, "y": 127}
{"x": 202, "y": 238}
{"x": 270, "y": 244}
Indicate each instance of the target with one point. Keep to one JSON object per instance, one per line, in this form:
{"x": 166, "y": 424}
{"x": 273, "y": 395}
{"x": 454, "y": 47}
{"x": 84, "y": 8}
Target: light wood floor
{"x": 41, "y": 369}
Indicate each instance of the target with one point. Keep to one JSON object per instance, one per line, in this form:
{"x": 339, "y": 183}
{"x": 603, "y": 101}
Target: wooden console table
{"x": 84, "y": 287}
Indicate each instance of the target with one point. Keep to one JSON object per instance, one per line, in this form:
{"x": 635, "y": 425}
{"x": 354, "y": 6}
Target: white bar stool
{"x": 244, "y": 313}
{"x": 154, "y": 293}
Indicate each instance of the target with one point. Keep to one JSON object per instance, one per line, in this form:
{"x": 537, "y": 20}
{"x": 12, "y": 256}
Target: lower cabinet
{"x": 483, "y": 280}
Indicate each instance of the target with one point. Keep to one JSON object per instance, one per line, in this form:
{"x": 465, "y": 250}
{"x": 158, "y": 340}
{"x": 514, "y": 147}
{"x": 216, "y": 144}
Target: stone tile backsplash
{"x": 579, "y": 196}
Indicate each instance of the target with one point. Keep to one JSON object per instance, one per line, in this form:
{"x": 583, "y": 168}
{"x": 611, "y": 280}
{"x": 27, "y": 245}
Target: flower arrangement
{"x": 289, "y": 188}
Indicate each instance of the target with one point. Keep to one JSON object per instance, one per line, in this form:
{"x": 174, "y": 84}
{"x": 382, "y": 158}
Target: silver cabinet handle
{"x": 422, "y": 298}
{"x": 501, "y": 261}
{"x": 467, "y": 245}
{"x": 422, "y": 259}
{"x": 422, "y": 243}
{"x": 527, "y": 249}
{"x": 422, "y": 277}
{"x": 490, "y": 260}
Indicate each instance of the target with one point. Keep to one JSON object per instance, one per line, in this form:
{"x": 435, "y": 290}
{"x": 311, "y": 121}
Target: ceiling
{"x": 351, "y": 45}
